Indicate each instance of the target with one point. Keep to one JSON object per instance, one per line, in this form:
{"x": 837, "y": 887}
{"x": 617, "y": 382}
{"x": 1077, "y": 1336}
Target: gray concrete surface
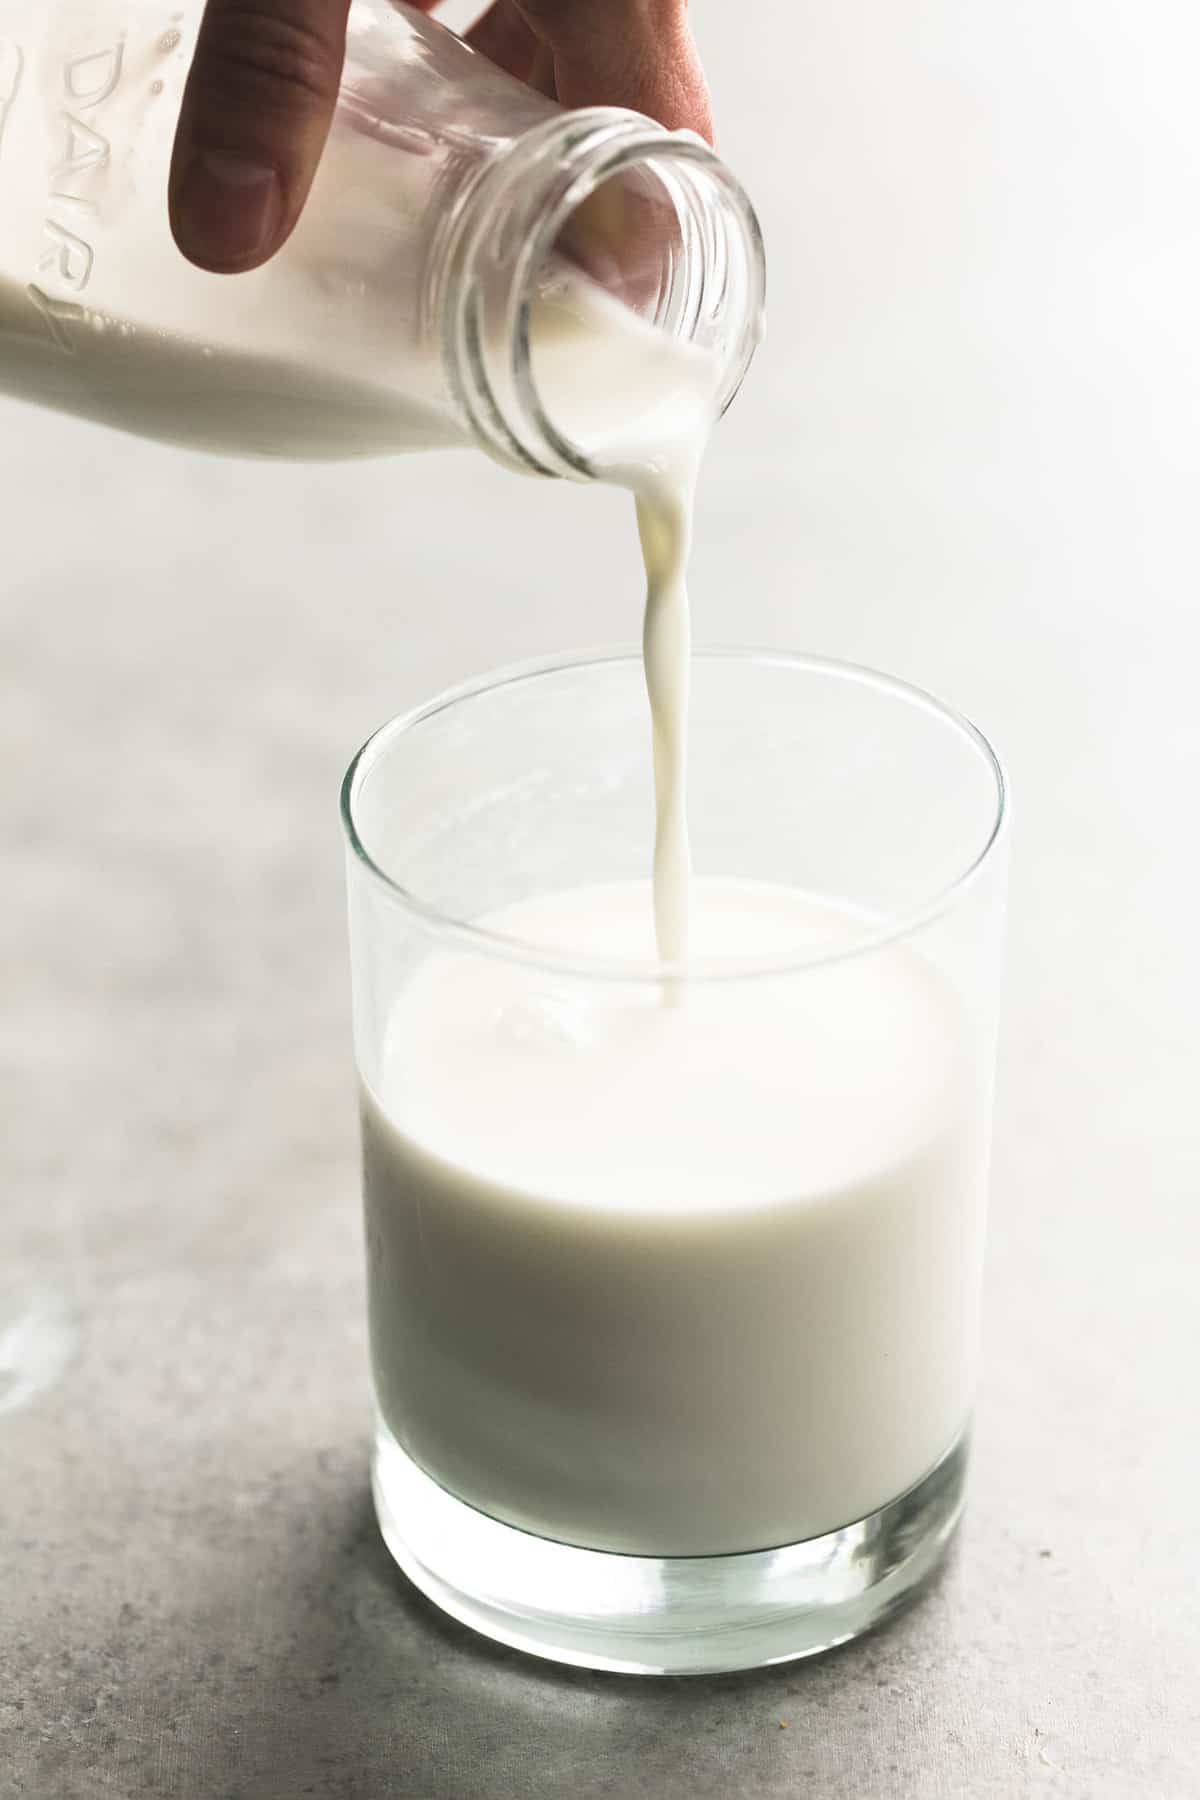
{"x": 969, "y": 456}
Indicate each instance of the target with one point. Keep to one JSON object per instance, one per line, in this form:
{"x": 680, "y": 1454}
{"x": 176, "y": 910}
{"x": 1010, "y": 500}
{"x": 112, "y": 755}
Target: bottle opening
{"x": 612, "y": 285}
{"x": 612, "y": 367}
{"x": 629, "y": 236}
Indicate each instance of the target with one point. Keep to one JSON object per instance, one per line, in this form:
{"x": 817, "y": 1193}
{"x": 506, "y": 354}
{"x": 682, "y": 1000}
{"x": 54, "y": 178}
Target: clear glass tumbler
{"x": 673, "y": 1272}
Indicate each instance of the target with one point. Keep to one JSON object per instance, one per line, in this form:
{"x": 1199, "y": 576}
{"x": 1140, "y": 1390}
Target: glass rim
{"x": 467, "y": 935}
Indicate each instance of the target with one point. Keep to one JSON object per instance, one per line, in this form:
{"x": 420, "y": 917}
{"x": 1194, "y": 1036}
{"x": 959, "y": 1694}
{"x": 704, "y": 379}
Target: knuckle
{"x": 253, "y": 54}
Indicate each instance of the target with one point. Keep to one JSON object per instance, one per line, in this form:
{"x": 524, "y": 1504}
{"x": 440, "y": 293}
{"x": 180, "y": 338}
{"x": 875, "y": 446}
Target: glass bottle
{"x": 449, "y": 202}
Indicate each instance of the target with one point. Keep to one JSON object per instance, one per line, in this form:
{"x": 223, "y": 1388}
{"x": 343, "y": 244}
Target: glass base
{"x": 651, "y": 1615}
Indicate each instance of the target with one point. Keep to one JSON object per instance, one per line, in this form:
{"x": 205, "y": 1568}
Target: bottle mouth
{"x": 597, "y": 268}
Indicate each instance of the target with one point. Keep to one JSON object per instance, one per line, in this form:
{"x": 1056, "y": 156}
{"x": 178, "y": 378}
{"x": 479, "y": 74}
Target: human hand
{"x": 264, "y": 80}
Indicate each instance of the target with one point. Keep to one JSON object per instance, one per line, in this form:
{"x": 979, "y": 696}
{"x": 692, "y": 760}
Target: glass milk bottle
{"x": 452, "y": 209}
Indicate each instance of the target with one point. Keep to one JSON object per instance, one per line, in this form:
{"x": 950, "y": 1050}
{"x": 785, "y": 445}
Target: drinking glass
{"x": 631, "y": 1418}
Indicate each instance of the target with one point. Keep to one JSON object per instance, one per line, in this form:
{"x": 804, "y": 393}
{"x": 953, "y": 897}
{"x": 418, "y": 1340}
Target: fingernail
{"x": 227, "y": 209}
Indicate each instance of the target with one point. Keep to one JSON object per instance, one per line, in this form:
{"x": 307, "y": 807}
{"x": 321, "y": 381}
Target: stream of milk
{"x": 644, "y": 404}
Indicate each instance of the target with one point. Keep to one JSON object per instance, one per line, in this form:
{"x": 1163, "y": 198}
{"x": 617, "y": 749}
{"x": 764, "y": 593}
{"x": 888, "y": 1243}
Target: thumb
{"x": 635, "y": 53}
{"x": 255, "y": 115}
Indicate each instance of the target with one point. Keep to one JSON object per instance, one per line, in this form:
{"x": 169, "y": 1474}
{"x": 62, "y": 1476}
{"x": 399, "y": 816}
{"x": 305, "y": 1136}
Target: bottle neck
{"x": 652, "y": 216}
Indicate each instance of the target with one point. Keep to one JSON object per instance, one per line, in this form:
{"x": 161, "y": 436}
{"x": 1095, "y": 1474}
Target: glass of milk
{"x": 674, "y": 1267}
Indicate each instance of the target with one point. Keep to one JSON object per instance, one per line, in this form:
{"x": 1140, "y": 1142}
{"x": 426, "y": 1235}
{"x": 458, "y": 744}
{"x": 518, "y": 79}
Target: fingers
{"x": 635, "y": 53}
{"x": 264, "y": 82}
{"x": 505, "y": 39}
{"x": 255, "y": 116}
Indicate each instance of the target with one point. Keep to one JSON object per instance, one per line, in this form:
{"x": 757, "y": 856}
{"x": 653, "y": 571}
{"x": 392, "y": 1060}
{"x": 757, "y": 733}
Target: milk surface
{"x": 674, "y": 1279}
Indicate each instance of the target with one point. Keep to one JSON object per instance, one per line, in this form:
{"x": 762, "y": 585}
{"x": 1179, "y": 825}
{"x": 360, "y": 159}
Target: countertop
{"x": 968, "y": 456}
